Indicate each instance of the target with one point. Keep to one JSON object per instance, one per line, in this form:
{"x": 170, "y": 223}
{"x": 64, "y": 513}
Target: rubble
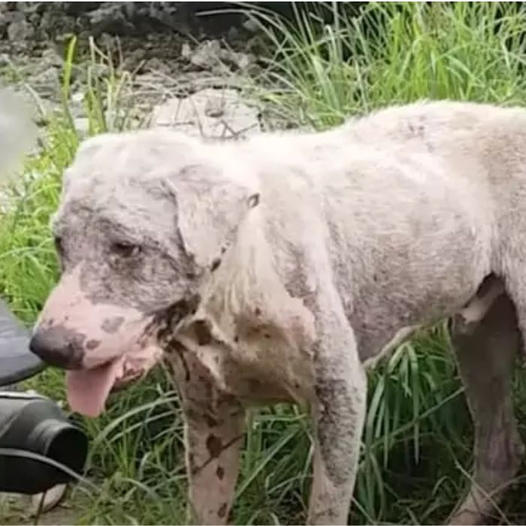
{"x": 210, "y": 113}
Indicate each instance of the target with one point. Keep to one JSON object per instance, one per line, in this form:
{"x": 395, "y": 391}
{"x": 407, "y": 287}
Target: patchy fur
{"x": 278, "y": 268}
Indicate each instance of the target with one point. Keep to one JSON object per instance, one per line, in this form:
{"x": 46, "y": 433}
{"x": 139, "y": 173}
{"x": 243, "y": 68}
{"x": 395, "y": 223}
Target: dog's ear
{"x": 210, "y": 207}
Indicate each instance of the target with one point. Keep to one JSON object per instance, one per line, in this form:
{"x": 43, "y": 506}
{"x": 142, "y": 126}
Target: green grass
{"x": 393, "y": 53}
{"x": 417, "y": 439}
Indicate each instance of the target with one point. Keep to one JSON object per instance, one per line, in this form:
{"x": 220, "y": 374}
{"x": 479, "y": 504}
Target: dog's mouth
{"x": 88, "y": 389}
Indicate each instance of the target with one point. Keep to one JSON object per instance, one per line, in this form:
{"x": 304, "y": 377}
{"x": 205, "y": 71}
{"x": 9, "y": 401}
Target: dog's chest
{"x": 257, "y": 365}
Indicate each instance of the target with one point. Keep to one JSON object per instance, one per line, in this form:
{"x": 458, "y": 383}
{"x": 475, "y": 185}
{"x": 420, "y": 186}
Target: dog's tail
{"x": 18, "y": 133}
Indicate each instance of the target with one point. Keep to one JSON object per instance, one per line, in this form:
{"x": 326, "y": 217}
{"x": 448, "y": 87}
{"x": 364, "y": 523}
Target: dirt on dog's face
{"x": 123, "y": 263}
{"x": 97, "y": 321}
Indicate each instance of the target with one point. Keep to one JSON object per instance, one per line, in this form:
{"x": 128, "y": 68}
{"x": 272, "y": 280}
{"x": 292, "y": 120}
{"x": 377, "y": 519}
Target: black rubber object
{"x": 34, "y": 424}
{"x": 17, "y": 362}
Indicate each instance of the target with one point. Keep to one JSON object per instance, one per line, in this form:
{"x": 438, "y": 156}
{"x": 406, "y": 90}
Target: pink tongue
{"x": 89, "y": 388}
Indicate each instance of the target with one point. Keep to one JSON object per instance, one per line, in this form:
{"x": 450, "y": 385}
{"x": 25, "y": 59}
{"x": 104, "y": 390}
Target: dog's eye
{"x": 126, "y": 250}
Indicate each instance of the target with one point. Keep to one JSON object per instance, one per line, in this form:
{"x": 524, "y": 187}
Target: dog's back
{"x": 415, "y": 199}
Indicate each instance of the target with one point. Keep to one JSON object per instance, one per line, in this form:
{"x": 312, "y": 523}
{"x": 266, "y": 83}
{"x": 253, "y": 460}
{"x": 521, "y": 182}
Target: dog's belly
{"x": 380, "y": 323}
{"x": 473, "y": 312}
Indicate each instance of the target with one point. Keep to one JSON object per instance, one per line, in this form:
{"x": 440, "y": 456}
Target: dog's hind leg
{"x": 486, "y": 349}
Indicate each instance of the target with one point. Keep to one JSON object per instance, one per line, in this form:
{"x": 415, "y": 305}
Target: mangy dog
{"x": 280, "y": 267}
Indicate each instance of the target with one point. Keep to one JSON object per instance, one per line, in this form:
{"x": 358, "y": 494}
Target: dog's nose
{"x": 59, "y": 347}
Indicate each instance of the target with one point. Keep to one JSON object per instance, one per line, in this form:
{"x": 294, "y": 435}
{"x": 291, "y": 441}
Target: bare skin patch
{"x": 166, "y": 319}
{"x": 253, "y": 201}
{"x": 479, "y": 306}
{"x": 192, "y": 464}
{"x": 174, "y": 347}
{"x": 202, "y": 332}
{"x": 221, "y": 512}
{"x": 112, "y": 325}
{"x": 214, "y": 445}
{"x": 210, "y": 420}
{"x": 215, "y": 264}
{"x": 334, "y": 406}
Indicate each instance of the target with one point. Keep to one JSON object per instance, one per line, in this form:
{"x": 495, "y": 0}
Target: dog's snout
{"x": 58, "y": 346}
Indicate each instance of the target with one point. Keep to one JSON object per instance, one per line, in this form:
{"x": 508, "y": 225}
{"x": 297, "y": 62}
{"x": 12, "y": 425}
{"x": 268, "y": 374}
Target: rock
{"x": 186, "y": 51}
{"x": 4, "y": 23}
{"x": 110, "y": 19}
{"x": 45, "y": 110}
{"x": 157, "y": 65}
{"x": 44, "y": 502}
{"x": 79, "y": 8}
{"x": 134, "y": 60}
{"x": 235, "y": 59}
{"x": 211, "y": 55}
{"x": 26, "y": 7}
{"x": 82, "y": 126}
{"x": 34, "y": 19}
{"x": 55, "y": 23}
{"x": 206, "y": 55}
{"x": 175, "y": 18}
{"x": 20, "y": 31}
{"x": 24, "y": 508}
{"x": 51, "y": 58}
{"x": 45, "y": 82}
{"x": 77, "y": 98}
{"x": 15, "y": 16}
{"x": 65, "y": 28}
{"x": 211, "y": 113}
{"x": 233, "y": 33}
{"x": 47, "y": 23}
{"x": 56, "y": 20}
{"x": 107, "y": 41}
{"x": 40, "y": 7}
{"x": 250, "y": 25}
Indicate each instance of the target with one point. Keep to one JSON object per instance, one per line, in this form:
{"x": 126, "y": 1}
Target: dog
{"x": 281, "y": 267}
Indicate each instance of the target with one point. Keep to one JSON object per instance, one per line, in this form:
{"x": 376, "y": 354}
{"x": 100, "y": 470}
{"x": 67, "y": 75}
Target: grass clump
{"x": 392, "y": 53}
{"x": 417, "y": 431}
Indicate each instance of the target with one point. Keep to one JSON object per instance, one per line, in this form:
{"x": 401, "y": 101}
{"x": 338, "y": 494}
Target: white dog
{"x": 279, "y": 268}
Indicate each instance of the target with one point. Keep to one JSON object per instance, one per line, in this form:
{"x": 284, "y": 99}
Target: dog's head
{"x": 143, "y": 217}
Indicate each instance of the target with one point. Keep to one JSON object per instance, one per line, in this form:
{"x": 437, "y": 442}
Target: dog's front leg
{"x": 213, "y": 439}
{"x": 339, "y": 412}
{"x": 214, "y": 425}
